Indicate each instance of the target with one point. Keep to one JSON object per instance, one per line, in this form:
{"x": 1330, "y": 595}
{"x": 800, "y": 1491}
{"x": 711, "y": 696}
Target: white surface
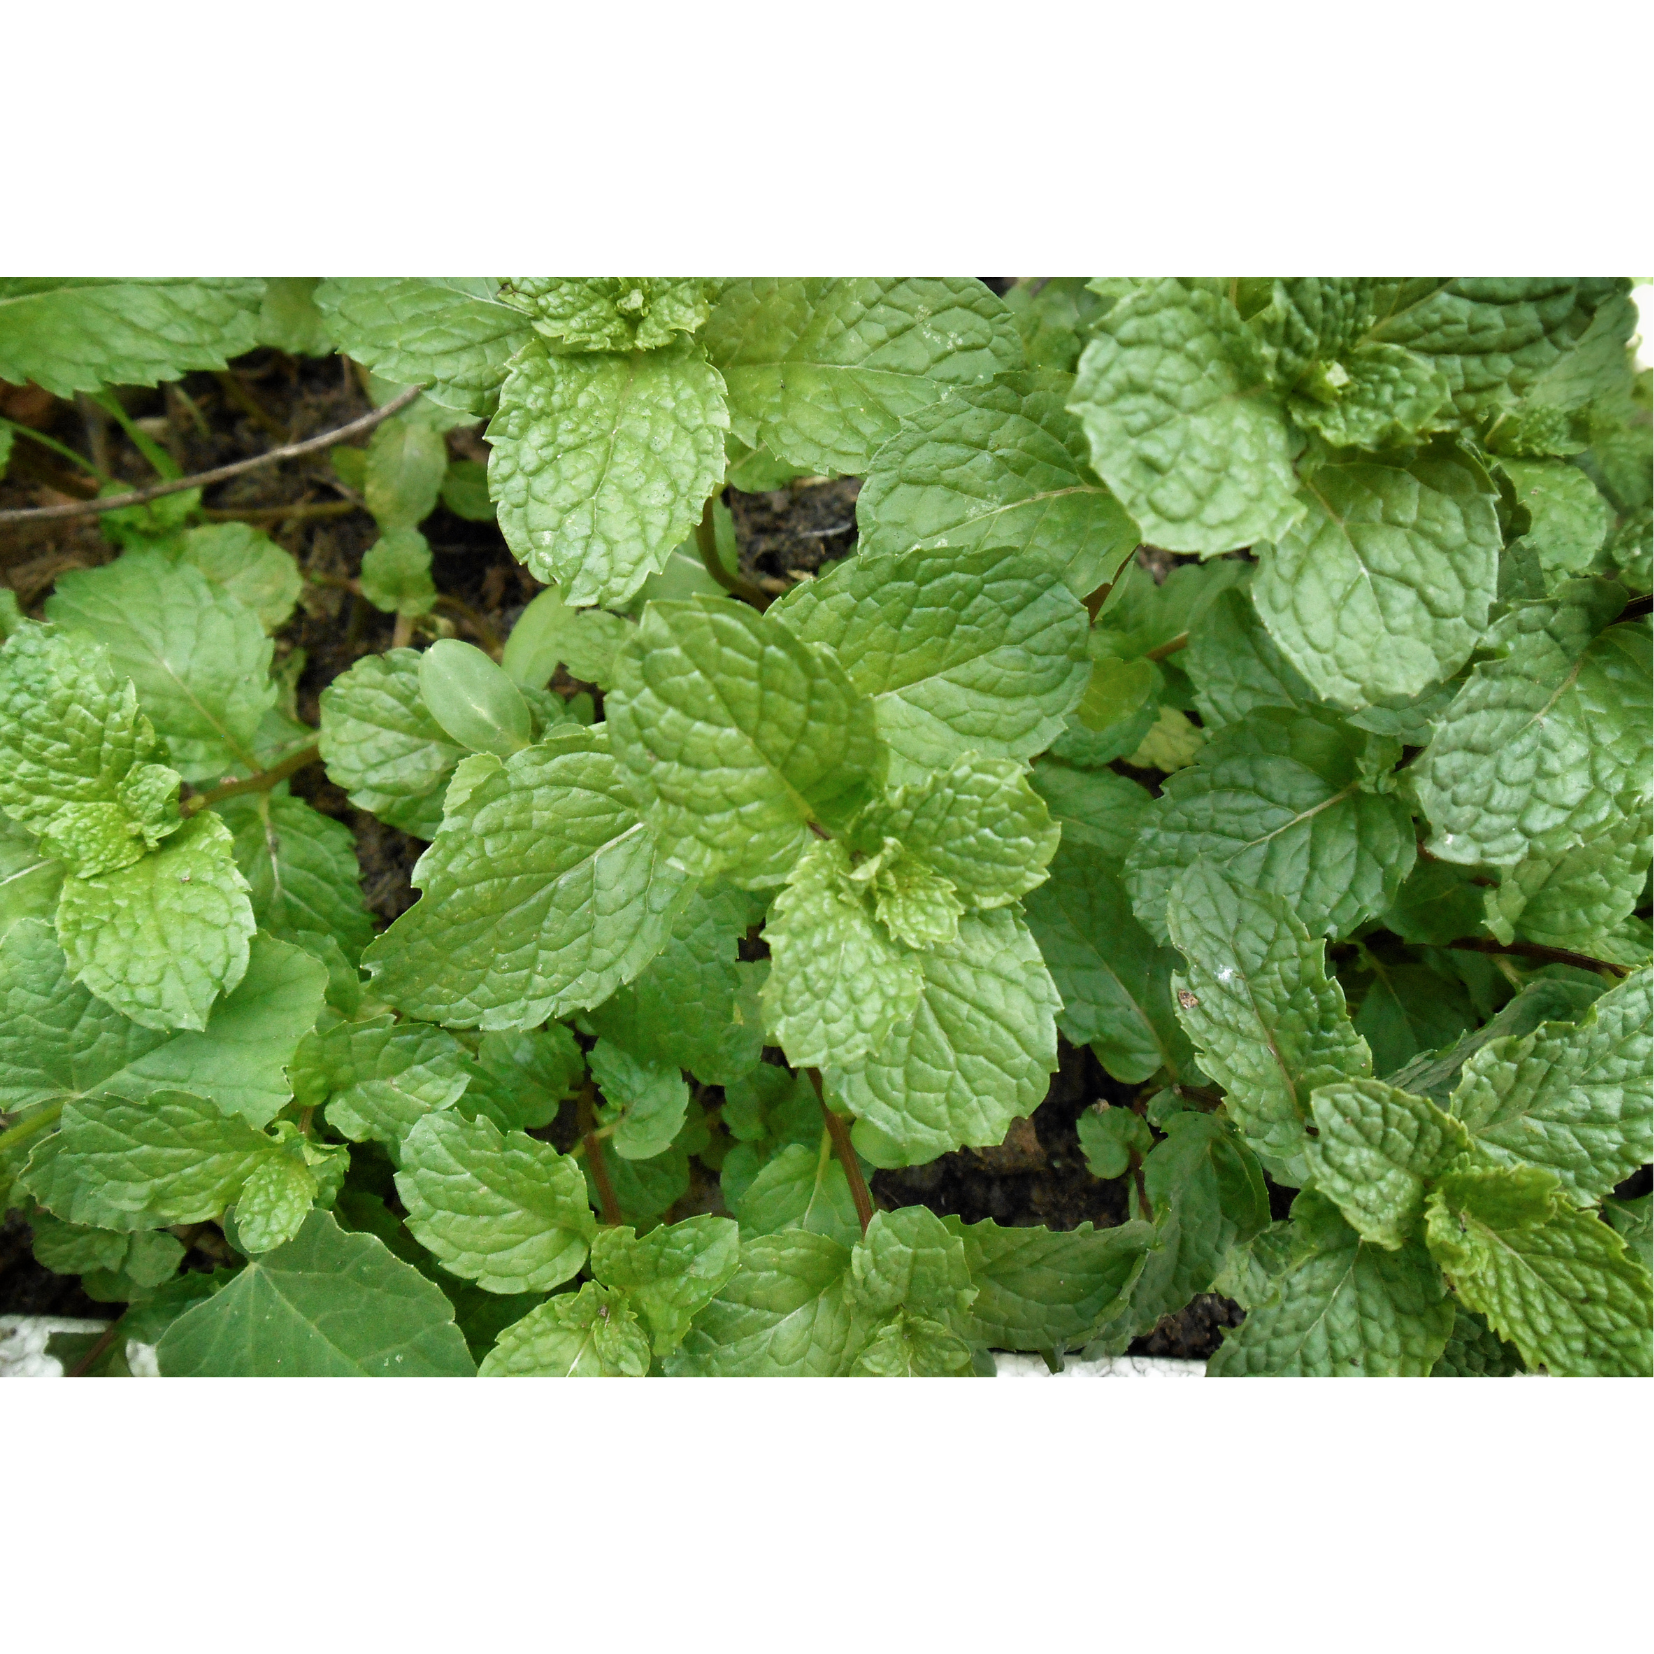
{"x": 23, "y": 1341}
{"x": 1119, "y": 1366}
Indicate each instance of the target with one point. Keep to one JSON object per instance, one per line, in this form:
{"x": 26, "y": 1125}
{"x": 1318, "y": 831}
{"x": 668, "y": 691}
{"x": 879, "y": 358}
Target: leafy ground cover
{"x": 827, "y": 826}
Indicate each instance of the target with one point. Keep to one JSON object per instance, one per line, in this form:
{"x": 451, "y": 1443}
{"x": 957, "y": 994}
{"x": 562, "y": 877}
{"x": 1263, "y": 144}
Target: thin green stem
{"x": 1170, "y": 647}
{"x": 846, "y": 1151}
{"x": 586, "y": 1124}
{"x": 706, "y": 537}
{"x": 160, "y": 461}
{"x": 59, "y": 448}
{"x": 25, "y": 1129}
{"x": 260, "y": 783}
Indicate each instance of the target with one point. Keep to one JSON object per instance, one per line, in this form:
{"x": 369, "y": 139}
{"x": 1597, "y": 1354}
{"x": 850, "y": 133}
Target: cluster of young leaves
{"x": 1415, "y": 523}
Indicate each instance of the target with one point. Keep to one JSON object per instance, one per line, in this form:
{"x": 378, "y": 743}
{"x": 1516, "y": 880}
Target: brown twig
{"x": 82, "y": 1367}
{"x": 845, "y": 1150}
{"x": 586, "y": 1117}
{"x": 260, "y": 783}
{"x": 706, "y": 537}
{"x": 285, "y": 513}
{"x": 142, "y": 496}
{"x": 1534, "y": 950}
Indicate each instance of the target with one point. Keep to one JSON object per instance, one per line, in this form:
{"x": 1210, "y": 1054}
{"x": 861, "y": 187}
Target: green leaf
{"x": 913, "y": 1346}
{"x": 56, "y": 1040}
{"x": 1436, "y": 904}
{"x": 645, "y": 1188}
{"x": 74, "y": 1248}
{"x": 1574, "y": 1100}
{"x": 273, "y": 1203}
{"x": 301, "y": 870}
{"x": 1630, "y": 1219}
{"x": 766, "y": 1111}
{"x": 821, "y": 371}
{"x": 450, "y": 334}
{"x": 198, "y": 658}
{"x": 1343, "y": 1309}
{"x": 378, "y": 1079}
{"x": 1376, "y": 1150}
{"x": 646, "y": 1102}
{"x": 160, "y": 940}
{"x": 601, "y": 464}
{"x": 1278, "y": 800}
{"x": 978, "y": 1052}
{"x": 1475, "y": 1350}
{"x": 611, "y": 312}
{"x": 549, "y": 633}
{"x": 982, "y": 650}
{"x": 396, "y": 573}
{"x": 1168, "y": 391}
{"x": 838, "y": 985}
{"x": 1489, "y": 337}
{"x": 1379, "y": 396}
{"x": 1569, "y": 519}
{"x": 172, "y": 1158}
{"x": 246, "y": 565}
{"x": 978, "y": 824}
{"x": 592, "y": 1333}
{"x": 289, "y": 320}
{"x": 382, "y": 745}
{"x": 1054, "y": 316}
{"x": 1408, "y": 1009}
{"x": 1382, "y": 586}
{"x": 1235, "y": 665}
{"x": 1044, "y": 1290}
{"x": 1001, "y": 464}
{"x": 799, "y": 1188}
{"x": 465, "y": 491}
{"x": 738, "y": 736}
{"x": 473, "y": 700}
{"x": 1555, "y": 1282}
{"x": 1115, "y": 983}
{"x": 669, "y": 1274}
{"x": 1109, "y": 1137}
{"x": 910, "y": 1259}
{"x": 406, "y": 463}
{"x": 29, "y": 879}
{"x": 1576, "y": 899}
{"x": 543, "y": 893}
{"x": 519, "y": 1080}
{"x": 71, "y": 734}
{"x": 326, "y": 1305}
{"x": 695, "y": 1006}
{"x": 782, "y": 1314}
{"x": 1096, "y": 809}
{"x": 1267, "y": 1024}
{"x": 80, "y": 333}
{"x": 1207, "y": 1192}
{"x": 1547, "y": 738}
{"x": 508, "y": 1212}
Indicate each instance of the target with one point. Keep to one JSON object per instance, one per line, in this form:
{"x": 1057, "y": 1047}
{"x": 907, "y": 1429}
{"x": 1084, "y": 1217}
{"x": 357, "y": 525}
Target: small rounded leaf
{"x": 473, "y": 700}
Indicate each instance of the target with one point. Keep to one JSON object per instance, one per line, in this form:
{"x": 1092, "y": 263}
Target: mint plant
{"x": 1246, "y": 680}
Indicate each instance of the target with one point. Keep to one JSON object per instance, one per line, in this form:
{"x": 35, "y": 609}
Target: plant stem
{"x": 25, "y": 1129}
{"x": 1533, "y": 950}
{"x": 706, "y": 537}
{"x": 845, "y": 1150}
{"x": 587, "y": 1124}
{"x": 486, "y": 635}
{"x": 1144, "y": 1209}
{"x": 285, "y": 513}
{"x": 142, "y": 496}
{"x": 160, "y": 461}
{"x": 260, "y": 783}
{"x": 82, "y": 1367}
{"x": 1170, "y": 647}
{"x": 56, "y": 447}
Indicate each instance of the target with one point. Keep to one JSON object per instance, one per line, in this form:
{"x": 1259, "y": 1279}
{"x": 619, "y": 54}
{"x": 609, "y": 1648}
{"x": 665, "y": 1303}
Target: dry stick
{"x": 141, "y": 496}
{"x": 706, "y": 537}
{"x": 260, "y": 783}
{"x": 1534, "y": 950}
{"x": 586, "y": 1125}
{"x": 82, "y": 1367}
{"x": 845, "y": 1150}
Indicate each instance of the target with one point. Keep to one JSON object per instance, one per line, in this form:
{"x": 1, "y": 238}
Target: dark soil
{"x": 1037, "y": 1176}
